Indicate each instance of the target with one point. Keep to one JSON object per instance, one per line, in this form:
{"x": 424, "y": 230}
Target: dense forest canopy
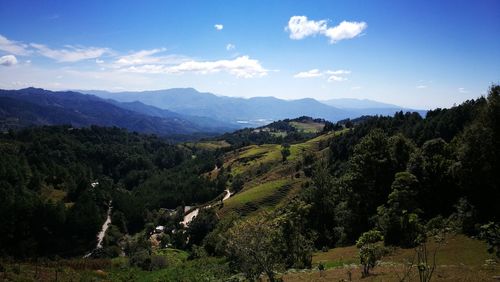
{"x": 48, "y": 203}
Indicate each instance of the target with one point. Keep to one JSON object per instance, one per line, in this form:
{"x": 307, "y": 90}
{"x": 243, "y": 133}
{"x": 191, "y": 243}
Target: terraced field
{"x": 268, "y": 180}
{"x": 264, "y": 195}
{"x": 249, "y": 159}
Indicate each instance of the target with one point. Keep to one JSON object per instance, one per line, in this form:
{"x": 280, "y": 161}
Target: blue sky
{"x": 420, "y": 54}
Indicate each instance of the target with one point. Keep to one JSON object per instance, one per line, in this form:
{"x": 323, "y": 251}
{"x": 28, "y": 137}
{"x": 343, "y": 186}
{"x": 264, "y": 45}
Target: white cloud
{"x": 333, "y": 78}
{"x": 345, "y": 30}
{"x": 149, "y": 57}
{"x": 230, "y": 47}
{"x": 242, "y": 66}
{"x": 421, "y": 86}
{"x": 333, "y": 75}
{"x": 462, "y": 90}
{"x": 354, "y": 88}
{"x": 338, "y": 72}
{"x": 150, "y": 69}
{"x": 308, "y": 74}
{"x": 300, "y": 27}
{"x": 98, "y": 61}
{"x": 140, "y": 57}
{"x": 8, "y": 60}
{"x": 13, "y": 47}
{"x": 219, "y": 26}
{"x": 71, "y": 53}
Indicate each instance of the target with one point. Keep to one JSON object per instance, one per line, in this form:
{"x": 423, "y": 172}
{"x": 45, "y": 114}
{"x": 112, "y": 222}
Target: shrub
{"x": 158, "y": 262}
{"x": 141, "y": 259}
{"x": 370, "y": 250}
{"x": 491, "y": 234}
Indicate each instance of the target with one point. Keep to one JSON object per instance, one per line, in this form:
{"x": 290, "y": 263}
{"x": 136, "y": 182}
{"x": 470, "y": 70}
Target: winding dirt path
{"x": 189, "y": 217}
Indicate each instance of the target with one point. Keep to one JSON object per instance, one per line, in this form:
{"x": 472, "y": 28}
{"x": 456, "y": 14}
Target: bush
{"x": 370, "y": 250}
{"x": 158, "y": 262}
{"x": 435, "y": 223}
{"x": 491, "y": 234}
{"x": 198, "y": 252}
{"x": 112, "y": 252}
{"x": 141, "y": 259}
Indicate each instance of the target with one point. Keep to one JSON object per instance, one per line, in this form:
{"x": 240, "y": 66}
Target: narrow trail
{"x": 102, "y": 233}
{"x": 189, "y": 217}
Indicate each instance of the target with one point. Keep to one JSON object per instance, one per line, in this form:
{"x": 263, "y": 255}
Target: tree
{"x": 297, "y": 246}
{"x": 201, "y": 225}
{"x": 370, "y": 250}
{"x": 400, "y": 149}
{"x": 367, "y": 181}
{"x": 285, "y": 151}
{"x": 398, "y": 219}
{"x": 322, "y": 197}
{"x": 237, "y": 183}
{"x": 255, "y": 246}
{"x": 432, "y": 165}
{"x": 478, "y": 154}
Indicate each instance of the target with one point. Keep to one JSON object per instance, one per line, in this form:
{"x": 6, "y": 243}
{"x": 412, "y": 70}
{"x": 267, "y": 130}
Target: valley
{"x": 295, "y": 178}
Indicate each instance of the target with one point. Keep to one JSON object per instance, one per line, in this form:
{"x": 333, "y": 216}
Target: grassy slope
{"x": 208, "y": 145}
{"x": 460, "y": 259}
{"x": 308, "y": 127}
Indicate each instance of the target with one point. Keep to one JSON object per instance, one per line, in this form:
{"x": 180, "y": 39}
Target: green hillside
{"x": 268, "y": 179}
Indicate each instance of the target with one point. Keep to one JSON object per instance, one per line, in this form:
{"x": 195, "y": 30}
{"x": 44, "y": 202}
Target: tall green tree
{"x": 254, "y": 245}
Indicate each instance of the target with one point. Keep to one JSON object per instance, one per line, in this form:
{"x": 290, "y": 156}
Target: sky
{"x": 418, "y": 54}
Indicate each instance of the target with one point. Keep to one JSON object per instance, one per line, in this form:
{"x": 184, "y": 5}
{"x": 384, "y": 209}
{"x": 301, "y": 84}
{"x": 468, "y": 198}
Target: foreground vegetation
{"x": 460, "y": 259}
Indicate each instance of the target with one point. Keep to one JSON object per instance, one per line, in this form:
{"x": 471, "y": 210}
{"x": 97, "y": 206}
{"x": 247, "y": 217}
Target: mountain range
{"x": 34, "y": 106}
{"x": 177, "y": 111}
{"x": 254, "y": 111}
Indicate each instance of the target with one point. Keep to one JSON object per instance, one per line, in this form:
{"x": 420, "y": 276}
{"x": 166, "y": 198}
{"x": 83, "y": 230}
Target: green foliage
{"x": 141, "y": 259}
{"x": 397, "y": 172}
{"x": 285, "y": 151}
{"x": 49, "y": 205}
{"x": 296, "y": 239}
{"x": 399, "y": 219}
{"x": 478, "y": 155}
{"x": 254, "y": 246}
{"x": 284, "y": 131}
{"x": 370, "y": 251}
{"x": 465, "y": 217}
{"x": 237, "y": 183}
{"x": 201, "y": 225}
{"x": 215, "y": 242}
{"x": 391, "y": 173}
{"x": 490, "y": 232}
{"x": 138, "y": 249}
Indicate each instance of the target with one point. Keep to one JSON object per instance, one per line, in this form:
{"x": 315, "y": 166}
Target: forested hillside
{"x": 56, "y": 183}
{"x": 258, "y": 202}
